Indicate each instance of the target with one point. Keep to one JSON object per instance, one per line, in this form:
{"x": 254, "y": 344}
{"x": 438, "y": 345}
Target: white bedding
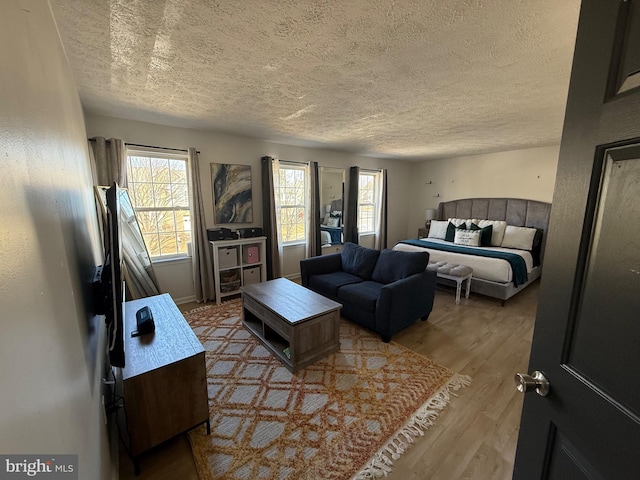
{"x": 487, "y": 268}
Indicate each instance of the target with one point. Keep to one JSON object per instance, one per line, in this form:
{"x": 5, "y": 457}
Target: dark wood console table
{"x": 164, "y": 381}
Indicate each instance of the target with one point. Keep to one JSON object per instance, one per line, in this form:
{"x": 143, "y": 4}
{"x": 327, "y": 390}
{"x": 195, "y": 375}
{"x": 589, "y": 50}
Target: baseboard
{"x": 190, "y": 298}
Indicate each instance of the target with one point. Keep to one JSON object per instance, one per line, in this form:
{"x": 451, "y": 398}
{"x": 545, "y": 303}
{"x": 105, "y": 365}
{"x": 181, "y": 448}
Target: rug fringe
{"x": 382, "y": 462}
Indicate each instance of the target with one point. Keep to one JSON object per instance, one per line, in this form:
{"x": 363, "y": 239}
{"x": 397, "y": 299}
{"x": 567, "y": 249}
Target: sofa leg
{"x": 385, "y": 338}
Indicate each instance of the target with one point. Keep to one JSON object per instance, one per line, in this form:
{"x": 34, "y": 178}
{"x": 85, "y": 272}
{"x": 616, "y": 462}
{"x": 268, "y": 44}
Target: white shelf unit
{"x": 235, "y": 264}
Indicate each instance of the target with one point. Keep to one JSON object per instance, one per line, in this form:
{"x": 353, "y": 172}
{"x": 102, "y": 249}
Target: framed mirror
{"x": 331, "y": 183}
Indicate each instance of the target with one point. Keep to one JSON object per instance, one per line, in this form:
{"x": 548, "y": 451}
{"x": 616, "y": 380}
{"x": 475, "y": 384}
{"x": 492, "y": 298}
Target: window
{"x": 291, "y": 194}
{"x": 367, "y": 203}
{"x": 159, "y": 191}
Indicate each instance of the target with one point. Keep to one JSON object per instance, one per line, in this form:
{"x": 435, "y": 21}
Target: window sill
{"x": 293, "y": 244}
{"x": 162, "y": 261}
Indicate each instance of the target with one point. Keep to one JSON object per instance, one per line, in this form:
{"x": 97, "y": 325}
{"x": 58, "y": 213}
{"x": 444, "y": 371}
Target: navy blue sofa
{"x": 384, "y": 291}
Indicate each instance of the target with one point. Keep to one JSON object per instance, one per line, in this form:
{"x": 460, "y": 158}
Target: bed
{"x": 499, "y": 275}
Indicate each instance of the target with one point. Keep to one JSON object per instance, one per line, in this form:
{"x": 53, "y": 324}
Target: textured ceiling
{"x": 403, "y": 79}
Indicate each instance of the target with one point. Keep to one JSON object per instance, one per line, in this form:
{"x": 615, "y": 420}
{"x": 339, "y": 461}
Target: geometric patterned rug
{"x": 349, "y": 415}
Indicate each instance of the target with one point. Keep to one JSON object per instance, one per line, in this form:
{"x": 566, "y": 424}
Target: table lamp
{"x": 429, "y": 214}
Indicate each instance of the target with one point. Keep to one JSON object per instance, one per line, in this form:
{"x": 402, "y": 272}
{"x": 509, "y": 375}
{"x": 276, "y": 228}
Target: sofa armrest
{"x": 319, "y": 265}
{"x": 404, "y": 301}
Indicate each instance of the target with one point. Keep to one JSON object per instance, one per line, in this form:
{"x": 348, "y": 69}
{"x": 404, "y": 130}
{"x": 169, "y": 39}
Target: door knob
{"x": 528, "y": 383}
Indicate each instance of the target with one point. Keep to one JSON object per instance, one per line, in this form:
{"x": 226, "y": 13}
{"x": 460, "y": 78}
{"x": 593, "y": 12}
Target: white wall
{"x": 528, "y": 174}
{"x": 216, "y": 147}
{"x": 51, "y": 380}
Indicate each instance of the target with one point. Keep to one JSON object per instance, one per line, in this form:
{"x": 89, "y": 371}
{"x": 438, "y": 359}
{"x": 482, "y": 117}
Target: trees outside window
{"x": 291, "y": 195}
{"x": 159, "y": 190}
{"x": 367, "y": 203}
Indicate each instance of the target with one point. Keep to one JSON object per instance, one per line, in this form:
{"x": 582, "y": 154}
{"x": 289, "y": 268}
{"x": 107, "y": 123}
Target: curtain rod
{"x": 294, "y": 162}
{"x": 149, "y": 146}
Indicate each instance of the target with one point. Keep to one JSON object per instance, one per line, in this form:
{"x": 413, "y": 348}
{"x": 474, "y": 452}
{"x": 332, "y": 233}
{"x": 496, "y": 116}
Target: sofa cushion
{"x": 394, "y": 265}
{"x": 363, "y": 295}
{"x": 327, "y": 284}
{"x": 358, "y": 260}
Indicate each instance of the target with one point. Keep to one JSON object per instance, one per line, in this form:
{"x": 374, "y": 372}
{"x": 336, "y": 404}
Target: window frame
{"x": 373, "y": 203}
{"x": 164, "y": 155}
{"x": 303, "y": 190}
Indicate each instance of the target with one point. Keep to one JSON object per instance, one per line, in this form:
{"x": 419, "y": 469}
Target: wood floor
{"x": 475, "y": 437}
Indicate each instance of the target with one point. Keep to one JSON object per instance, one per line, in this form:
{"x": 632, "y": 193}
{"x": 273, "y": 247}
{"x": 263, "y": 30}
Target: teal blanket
{"x": 518, "y": 265}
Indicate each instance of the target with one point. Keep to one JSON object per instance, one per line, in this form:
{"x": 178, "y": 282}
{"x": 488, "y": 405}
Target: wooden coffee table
{"x": 295, "y": 324}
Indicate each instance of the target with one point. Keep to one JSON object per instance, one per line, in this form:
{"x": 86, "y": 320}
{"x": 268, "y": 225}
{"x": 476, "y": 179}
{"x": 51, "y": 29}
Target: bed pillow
{"x": 518, "y": 237}
{"x": 451, "y": 231}
{"x": 469, "y": 238}
{"x": 438, "y": 229}
{"x": 536, "y": 249}
{"x": 485, "y": 234}
{"x": 463, "y": 222}
{"x": 499, "y": 227}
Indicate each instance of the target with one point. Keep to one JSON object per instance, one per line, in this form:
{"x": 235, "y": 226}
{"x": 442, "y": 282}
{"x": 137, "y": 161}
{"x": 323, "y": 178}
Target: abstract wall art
{"x": 232, "y": 201}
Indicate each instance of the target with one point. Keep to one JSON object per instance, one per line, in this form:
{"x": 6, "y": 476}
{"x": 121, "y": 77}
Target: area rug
{"x": 349, "y": 415}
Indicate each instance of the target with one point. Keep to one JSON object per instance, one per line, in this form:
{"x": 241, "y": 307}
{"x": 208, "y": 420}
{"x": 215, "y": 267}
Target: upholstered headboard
{"x": 516, "y": 211}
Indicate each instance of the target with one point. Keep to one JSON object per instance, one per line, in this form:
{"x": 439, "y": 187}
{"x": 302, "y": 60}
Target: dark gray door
{"x": 587, "y": 336}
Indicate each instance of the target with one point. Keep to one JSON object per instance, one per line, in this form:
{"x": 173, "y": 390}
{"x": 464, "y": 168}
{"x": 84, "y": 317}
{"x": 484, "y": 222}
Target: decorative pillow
{"x": 518, "y": 237}
{"x": 438, "y": 229}
{"x": 394, "y": 265}
{"x": 451, "y": 231}
{"x": 485, "y": 234}
{"x": 469, "y": 238}
{"x": 333, "y": 221}
{"x": 499, "y": 227}
{"x": 358, "y": 260}
{"x": 537, "y": 246}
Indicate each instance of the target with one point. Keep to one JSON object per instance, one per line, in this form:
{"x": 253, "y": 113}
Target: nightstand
{"x": 423, "y": 232}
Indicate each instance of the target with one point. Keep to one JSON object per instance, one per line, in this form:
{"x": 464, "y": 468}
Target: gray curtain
{"x": 110, "y": 157}
{"x": 381, "y": 233}
{"x": 269, "y": 220}
{"x": 351, "y": 220}
{"x": 313, "y": 242}
{"x": 200, "y": 256}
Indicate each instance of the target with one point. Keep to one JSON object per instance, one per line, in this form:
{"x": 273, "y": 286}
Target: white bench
{"x": 455, "y": 272}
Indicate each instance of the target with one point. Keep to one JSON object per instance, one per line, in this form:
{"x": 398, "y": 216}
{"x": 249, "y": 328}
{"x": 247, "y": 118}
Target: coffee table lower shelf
{"x": 270, "y": 339}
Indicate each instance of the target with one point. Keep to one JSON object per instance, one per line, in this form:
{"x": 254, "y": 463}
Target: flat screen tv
{"x": 111, "y": 283}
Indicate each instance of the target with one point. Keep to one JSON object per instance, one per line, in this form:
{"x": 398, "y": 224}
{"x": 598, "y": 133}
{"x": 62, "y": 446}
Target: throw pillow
{"x": 518, "y": 237}
{"x": 394, "y": 265}
{"x": 438, "y": 229}
{"x": 451, "y": 231}
{"x": 485, "y": 234}
{"x": 333, "y": 221}
{"x": 469, "y": 238}
{"x": 359, "y": 261}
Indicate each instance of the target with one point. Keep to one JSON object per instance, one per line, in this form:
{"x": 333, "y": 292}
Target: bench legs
{"x": 459, "y": 281}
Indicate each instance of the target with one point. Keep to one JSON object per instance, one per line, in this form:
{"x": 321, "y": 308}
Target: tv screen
{"x": 112, "y": 278}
